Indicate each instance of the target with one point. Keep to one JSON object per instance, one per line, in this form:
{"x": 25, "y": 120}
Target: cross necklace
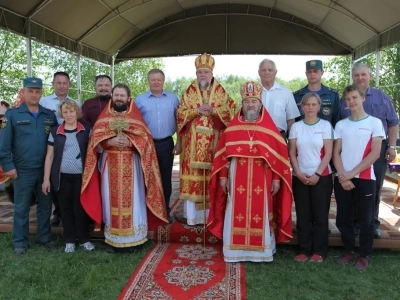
{"x": 251, "y": 138}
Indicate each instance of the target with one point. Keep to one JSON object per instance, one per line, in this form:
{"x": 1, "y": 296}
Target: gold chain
{"x": 251, "y": 138}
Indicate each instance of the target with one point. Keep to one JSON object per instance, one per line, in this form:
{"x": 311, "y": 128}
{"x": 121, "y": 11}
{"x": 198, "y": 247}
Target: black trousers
{"x": 312, "y": 212}
{"x": 380, "y": 167}
{"x": 75, "y": 220}
{"x": 165, "y": 159}
{"x": 56, "y": 211}
{"x": 358, "y": 202}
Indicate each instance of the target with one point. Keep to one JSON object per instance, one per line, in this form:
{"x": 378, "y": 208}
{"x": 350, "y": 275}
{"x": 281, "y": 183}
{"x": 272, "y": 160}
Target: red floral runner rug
{"x": 179, "y": 266}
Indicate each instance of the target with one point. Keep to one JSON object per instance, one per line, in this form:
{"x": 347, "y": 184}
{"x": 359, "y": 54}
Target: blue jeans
{"x": 29, "y": 182}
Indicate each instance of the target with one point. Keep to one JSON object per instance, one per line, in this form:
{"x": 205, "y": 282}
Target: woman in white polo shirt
{"x": 357, "y": 147}
{"x": 310, "y": 149}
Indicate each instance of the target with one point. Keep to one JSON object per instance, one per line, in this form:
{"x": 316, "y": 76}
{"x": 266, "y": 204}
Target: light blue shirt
{"x": 159, "y": 112}
{"x": 52, "y": 102}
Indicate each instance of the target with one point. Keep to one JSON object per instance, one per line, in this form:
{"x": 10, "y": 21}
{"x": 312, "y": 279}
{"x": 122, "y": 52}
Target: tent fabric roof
{"x": 127, "y": 29}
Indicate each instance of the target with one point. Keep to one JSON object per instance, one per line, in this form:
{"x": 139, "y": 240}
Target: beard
{"x": 104, "y": 97}
{"x": 118, "y": 107}
{"x": 252, "y": 114}
{"x": 203, "y": 84}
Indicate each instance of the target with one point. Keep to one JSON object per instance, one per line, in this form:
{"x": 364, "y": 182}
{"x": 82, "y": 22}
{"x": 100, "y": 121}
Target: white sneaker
{"x": 69, "y": 247}
{"x": 88, "y": 246}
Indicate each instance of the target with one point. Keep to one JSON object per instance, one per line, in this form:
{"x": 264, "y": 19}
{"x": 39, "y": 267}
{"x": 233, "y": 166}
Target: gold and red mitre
{"x": 251, "y": 89}
{"x": 205, "y": 61}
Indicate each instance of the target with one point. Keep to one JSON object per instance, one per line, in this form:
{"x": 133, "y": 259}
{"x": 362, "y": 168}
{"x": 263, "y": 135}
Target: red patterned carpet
{"x": 179, "y": 266}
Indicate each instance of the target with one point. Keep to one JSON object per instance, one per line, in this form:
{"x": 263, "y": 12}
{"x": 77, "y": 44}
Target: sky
{"x": 289, "y": 66}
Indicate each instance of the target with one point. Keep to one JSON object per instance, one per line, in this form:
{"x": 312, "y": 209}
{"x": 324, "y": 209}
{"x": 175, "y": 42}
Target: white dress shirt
{"x": 280, "y": 104}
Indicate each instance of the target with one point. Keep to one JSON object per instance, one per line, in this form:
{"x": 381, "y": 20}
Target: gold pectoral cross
{"x": 119, "y": 124}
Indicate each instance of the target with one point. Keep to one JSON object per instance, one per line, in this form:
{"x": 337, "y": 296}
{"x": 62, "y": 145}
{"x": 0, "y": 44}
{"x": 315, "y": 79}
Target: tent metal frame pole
{"x": 377, "y": 67}
{"x": 29, "y": 51}
{"x": 112, "y": 69}
{"x": 352, "y": 61}
{"x": 78, "y": 76}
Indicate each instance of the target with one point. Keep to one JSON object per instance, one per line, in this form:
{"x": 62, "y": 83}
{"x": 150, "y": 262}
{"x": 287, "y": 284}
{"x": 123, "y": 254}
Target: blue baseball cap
{"x": 33, "y": 82}
{"x": 314, "y": 64}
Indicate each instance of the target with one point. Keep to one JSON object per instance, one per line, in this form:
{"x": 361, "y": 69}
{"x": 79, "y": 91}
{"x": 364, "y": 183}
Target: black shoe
{"x": 55, "y": 221}
{"x": 19, "y": 251}
{"x": 110, "y": 249}
{"x": 377, "y": 234}
{"x": 50, "y": 244}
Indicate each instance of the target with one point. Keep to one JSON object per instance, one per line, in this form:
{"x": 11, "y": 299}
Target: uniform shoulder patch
{"x": 4, "y": 122}
{"x": 296, "y": 92}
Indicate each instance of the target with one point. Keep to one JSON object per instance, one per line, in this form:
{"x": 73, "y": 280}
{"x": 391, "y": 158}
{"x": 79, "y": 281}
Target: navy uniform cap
{"x": 33, "y": 82}
{"x": 314, "y": 64}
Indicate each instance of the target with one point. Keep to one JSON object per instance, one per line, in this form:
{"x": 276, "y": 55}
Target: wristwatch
{"x": 392, "y": 147}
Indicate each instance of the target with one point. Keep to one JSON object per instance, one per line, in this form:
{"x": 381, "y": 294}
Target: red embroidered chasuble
{"x": 262, "y": 156}
{"x": 120, "y": 171}
{"x": 200, "y": 137}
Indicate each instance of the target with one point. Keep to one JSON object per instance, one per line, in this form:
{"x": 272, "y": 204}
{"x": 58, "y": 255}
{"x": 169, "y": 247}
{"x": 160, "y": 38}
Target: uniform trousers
{"x": 28, "y": 183}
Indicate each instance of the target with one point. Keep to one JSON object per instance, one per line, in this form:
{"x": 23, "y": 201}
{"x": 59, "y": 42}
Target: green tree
{"x": 178, "y": 86}
{"x": 389, "y": 72}
{"x": 12, "y": 64}
{"x": 47, "y": 60}
{"x": 293, "y": 84}
{"x": 134, "y": 73}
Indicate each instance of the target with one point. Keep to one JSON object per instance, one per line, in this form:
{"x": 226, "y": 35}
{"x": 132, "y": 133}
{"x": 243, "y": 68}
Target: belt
{"x": 162, "y": 140}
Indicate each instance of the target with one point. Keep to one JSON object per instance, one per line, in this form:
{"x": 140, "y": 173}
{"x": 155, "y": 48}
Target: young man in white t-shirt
{"x": 357, "y": 147}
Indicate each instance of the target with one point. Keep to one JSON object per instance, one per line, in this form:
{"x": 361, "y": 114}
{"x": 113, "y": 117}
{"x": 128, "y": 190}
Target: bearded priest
{"x": 127, "y": 193}
{"x": 204, "y": 111}
{"x": 250, "y": 187}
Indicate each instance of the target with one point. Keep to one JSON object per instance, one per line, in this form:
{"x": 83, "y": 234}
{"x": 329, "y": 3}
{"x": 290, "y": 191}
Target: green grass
{"x": 285, "y": 278}
{"x": 52, "y": 274}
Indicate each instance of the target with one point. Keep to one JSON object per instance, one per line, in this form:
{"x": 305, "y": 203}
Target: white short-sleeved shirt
{"x": 280, "y": 104}
{"x": 356, "y": 142}
{"x": 310, "y": 144}
{"x": 52, "y": 102}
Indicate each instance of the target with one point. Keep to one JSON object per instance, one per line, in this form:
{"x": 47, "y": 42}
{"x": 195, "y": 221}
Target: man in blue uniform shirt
{"x": 330, "y": 106}
{"x": 23, "y": 145}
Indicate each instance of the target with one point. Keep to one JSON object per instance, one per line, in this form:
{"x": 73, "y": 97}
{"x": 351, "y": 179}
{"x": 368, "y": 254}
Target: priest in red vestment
{"x": 127, "y": 194}
{"x": 250, "y": 186}
{"x": 205, "y": 110}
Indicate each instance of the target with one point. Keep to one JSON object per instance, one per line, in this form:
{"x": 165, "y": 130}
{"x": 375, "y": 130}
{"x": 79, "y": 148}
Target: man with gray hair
{"x": 276, "y": 98}
{"x": 379, "y": 105}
